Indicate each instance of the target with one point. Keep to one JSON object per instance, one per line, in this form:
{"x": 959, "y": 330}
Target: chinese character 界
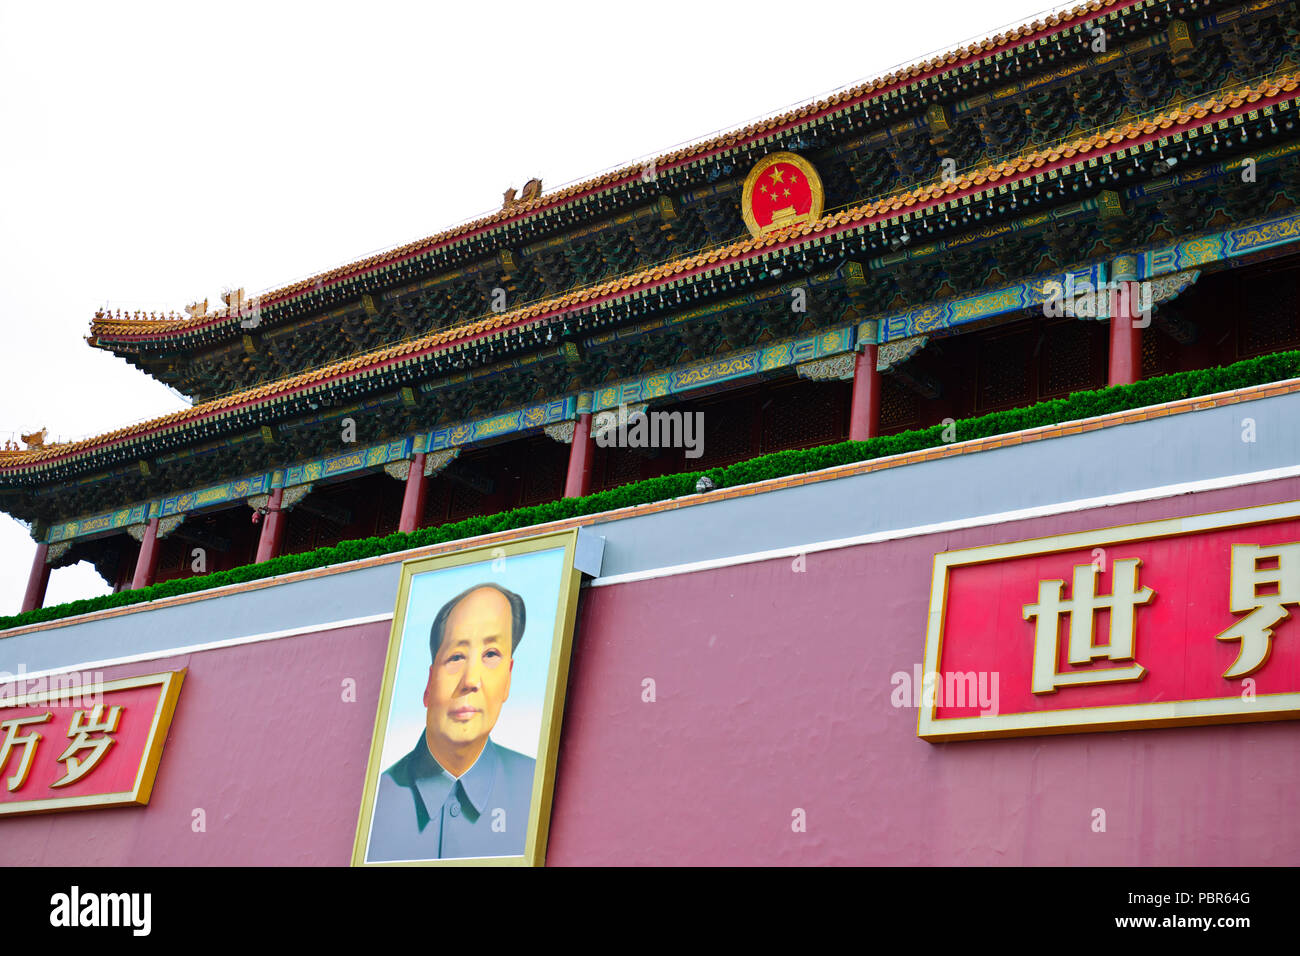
{"x": 1082, "y": 606}
{"x": 1255, "y": 630}
{"x": 10, "y": 729}
{"x": 80, "y": 731}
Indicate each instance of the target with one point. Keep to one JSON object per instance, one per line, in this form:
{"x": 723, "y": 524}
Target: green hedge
{"x": 1167, "y": 388}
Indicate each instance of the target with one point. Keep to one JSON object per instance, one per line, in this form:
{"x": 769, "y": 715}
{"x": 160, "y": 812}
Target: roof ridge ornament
{"x": 532, "y": 189}
{"x": 247, "y": 308}
{"x": 946, "y": 66}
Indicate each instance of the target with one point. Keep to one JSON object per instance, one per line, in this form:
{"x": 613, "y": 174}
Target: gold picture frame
{"x": 562, "y": 547}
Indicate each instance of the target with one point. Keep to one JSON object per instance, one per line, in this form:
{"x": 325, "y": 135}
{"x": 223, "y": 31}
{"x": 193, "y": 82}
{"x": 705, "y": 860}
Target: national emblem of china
{"x": 781, "y": 189}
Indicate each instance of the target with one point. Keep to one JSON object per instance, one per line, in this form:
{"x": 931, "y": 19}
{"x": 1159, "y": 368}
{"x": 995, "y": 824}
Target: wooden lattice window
{"x": 299, "y": 531}
{"x": 799, "y": 417}
{"x": 1067, "y": 358}
{"x": 1269, "y": 318}
{"x": 728, "y": 435}
{"x": 389, "y": 511}
{"x": 899, "y": 405}
{"x": 465, "y": 503}
{"x": 622, "y": 465}
{"x": 1158, "y": 356}
{"x": 436, "y": 500}
{"x": 1005, "y": 376}
{"x": 544, "y": 475}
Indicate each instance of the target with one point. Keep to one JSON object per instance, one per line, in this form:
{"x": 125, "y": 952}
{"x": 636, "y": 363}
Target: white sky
{"x": 158, "y": 153}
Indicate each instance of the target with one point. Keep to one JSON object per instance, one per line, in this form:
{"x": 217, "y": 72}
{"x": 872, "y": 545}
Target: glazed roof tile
{"x": 979, "y": 50}
{"x": 1014, "y": 168}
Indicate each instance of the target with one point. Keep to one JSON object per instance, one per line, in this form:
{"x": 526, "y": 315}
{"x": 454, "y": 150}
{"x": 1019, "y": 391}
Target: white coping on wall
{"x": 1258, "y": 513}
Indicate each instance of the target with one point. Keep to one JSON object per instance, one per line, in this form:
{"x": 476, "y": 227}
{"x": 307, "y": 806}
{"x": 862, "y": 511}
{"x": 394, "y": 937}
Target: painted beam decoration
{"x": 118, "y": 519}
{"x": 1219, "y": 246}
{"x": 1174, "y": 622}
{"x": 74, "y": 745}
{"x": 724, "y": 368}
{"x": 506, "y": 423}
{"x": 1016, "y": 297}
{"x": 372, "y": 457}
{"x": 227, "y": 491}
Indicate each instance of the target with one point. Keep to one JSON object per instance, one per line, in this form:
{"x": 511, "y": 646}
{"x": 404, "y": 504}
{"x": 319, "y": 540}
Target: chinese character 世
{"x": 1082, "y": 607}
{"x": 10, "y": 729}
{"x": 80, "y": 731}
{"x": 1262, "y": 611}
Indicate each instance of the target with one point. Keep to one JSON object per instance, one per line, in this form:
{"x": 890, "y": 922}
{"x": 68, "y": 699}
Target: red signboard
{"x": 1183, "y": 621}
{"x": 73, "y": 745}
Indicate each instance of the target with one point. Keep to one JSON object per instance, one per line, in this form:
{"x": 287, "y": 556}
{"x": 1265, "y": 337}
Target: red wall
{"x": 773, "y": 693}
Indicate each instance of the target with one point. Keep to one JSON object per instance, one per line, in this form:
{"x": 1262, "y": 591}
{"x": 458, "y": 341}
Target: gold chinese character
{"x": 1082, "y": 607}
{"x": 80, "y": 730}
{"x": 28, "y": 742}
{"x": 1255, "y": 630}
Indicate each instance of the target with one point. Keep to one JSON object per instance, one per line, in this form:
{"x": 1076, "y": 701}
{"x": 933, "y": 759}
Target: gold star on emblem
{"x": 794, "y": 178}
{"x": 776, "y": 175}
{"x": 786, "y": 193}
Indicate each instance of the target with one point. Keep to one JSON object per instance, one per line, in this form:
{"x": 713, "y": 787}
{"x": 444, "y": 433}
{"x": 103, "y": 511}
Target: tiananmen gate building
{"x": 910, "y": 478}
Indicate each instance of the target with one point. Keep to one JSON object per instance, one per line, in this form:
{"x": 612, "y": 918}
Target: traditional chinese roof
{"x": 170, "y": 430}
{"x": 894, "y": 87}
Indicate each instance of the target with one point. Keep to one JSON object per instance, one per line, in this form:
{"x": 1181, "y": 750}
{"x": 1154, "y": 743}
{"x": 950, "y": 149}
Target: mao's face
{"x": 470, "y": 677}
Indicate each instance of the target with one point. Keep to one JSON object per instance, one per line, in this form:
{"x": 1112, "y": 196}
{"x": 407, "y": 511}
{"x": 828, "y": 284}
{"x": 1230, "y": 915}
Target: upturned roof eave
{"x": 1017, "y": 170}
{"x": 934, "y": 68}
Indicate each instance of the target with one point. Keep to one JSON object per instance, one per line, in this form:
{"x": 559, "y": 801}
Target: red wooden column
{"x": 268, "y": 545}
{"x": 146, "y": 563}
{"x": 37, "y": 580}
{"x": 1125, "y": 366}
{"x": 578, "y": 480}
{"x": 413, "y": 497}
{"x": 864, "y": 420}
